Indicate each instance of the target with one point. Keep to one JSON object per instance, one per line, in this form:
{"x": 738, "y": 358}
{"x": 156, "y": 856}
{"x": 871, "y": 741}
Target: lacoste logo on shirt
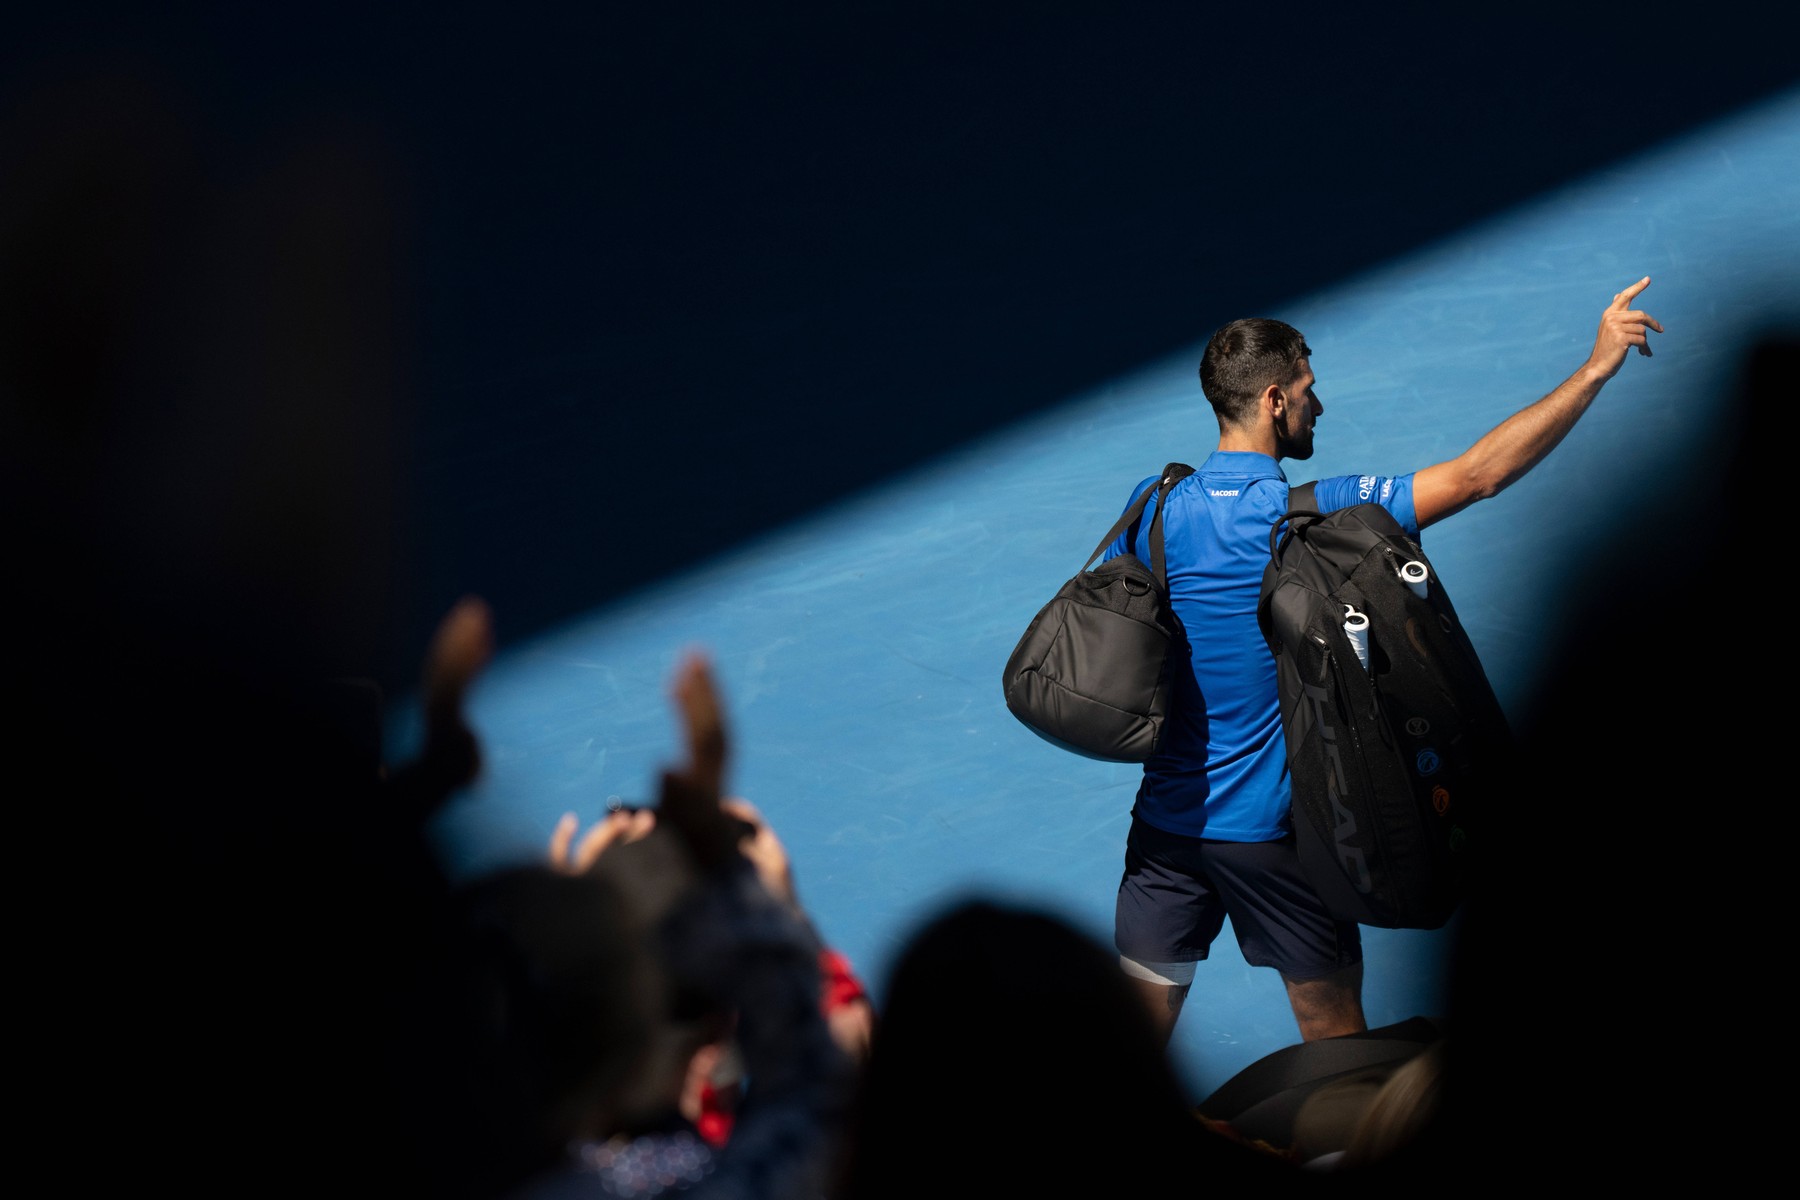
{"x": 1221, "y": 491}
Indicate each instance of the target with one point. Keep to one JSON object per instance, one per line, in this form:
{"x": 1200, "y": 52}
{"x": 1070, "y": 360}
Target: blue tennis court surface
{"x": 860, "y": 650}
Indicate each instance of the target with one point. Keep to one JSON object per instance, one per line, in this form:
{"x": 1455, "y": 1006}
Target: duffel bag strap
{"x": 1171, "y": 475}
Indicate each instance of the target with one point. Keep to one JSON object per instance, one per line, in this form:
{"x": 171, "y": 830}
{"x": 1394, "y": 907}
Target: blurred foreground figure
{"x": 1013, "y": 1058}
{"x": 608, "y": 977}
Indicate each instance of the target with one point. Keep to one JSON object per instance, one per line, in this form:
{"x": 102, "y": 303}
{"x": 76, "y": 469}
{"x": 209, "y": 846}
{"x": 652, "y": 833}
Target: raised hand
{"x": 703, "y": 722}
{"x": 460, "y": 650}
{"x": 691, "y": 792}
{"x": 615, "y": 829}
{"x": 1622, "y": 327}
{"x": 764, "y": 850}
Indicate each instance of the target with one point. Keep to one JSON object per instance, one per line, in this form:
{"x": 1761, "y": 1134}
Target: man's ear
{"x": 1274, "y": 401}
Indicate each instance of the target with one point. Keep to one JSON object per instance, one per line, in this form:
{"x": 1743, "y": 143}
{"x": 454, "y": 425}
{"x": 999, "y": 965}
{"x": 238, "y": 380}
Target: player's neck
{"x": 1255, "y": 441}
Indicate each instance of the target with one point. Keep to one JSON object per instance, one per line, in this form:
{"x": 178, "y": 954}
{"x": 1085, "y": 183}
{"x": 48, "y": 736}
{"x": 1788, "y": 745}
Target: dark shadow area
{"x": 1607, "y": 970}
{"x": 643, "y": 284}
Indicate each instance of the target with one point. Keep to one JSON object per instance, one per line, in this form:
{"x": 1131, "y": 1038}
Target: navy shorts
{"x": 1177, "y": 891}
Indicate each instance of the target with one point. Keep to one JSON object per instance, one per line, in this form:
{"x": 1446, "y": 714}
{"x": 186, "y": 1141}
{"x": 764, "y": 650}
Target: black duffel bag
{"x": 1091, "y": 673}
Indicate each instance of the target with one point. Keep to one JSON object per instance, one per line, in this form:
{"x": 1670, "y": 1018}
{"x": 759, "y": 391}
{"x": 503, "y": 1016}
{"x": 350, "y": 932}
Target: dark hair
{"x": 1014, "y": 1056}
{"x": 564, "y": 1005}
{"x": 1245, "y": 357}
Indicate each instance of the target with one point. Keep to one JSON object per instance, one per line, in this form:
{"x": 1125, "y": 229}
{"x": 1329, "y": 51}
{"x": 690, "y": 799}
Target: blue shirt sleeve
{"x": 1392, "y": 492}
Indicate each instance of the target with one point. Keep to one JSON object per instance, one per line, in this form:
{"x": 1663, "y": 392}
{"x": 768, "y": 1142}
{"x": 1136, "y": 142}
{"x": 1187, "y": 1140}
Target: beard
{"x": 1298, "y": 447}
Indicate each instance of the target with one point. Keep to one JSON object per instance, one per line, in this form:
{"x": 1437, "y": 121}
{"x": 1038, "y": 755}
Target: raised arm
{"x": 1521, "y": 441}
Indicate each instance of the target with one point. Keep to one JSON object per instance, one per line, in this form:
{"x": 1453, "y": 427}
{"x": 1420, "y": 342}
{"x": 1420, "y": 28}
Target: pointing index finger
{"x": 1624, "y": 298}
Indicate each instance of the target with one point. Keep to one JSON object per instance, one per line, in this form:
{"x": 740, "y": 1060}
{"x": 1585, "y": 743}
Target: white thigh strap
{"x": 1178, "y": 974}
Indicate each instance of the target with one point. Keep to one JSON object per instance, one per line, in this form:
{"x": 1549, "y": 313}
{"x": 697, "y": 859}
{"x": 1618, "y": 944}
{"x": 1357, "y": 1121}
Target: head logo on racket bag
{"x": 1343, "y": 827}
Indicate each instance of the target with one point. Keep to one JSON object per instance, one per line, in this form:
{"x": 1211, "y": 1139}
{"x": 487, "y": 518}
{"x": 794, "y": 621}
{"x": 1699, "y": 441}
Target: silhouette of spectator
{"x": 610, "y": 974}
{"x": 715, "y": 1077}
{"x": 1364, "y": 1118}
{"x": 1011, "y": 1057}
{"x": 1581, "y": 971}
{"x": 200, "y": 389}
{"x": 1304, "y": 1100}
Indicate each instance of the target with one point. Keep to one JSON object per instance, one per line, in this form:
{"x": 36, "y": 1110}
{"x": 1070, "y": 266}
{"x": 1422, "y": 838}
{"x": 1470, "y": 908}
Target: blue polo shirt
{"x": 1221, "y": 771}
